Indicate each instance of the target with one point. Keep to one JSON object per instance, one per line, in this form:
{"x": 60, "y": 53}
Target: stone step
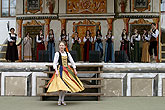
{"x": 82, "y": 66}
{"x": 79, "y": 72}
{"x": 73, "y": 94}
{"x": 2, "y": 59}
{"x": 3, "y": 52}
{"x": 3, "y": 45}
{"x": 85, "y": 86}
{"x": 84, "y": 79}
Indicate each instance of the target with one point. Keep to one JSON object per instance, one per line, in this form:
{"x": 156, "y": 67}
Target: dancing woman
{"x": 65, "y": 78}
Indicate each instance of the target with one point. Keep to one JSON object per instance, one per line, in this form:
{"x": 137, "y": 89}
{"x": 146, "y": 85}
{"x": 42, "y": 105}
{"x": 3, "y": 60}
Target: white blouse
{"x": 134, "y": 37}
{"x": 39, "y": 41}
{"x": 90, "y": 39}
{"x": 95, "y": 38}
{"x": 79, "y": 40}
{"x": 56, "y": 58}
{"x": 47, "y": 39}
{"x": 12, "y": 35}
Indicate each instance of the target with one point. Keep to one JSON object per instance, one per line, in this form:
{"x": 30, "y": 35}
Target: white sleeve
{"x": 25, "y": 40}
{"x": 72, "y": 41}
{"x": 9, "y": 39}
{"x": 155, "y": 34}
{"x": 55, "y": 61}
{"x": 47, "y": 39}
{"x": 128, "y": 38}
{"x": 71, "y": 60}
{"x": 44, "y": 38}
{"x": 17, "y": 37}
{"x": 113, "y": 37}
{"x": 132, "y": 39}
{"x": 38, "y": 41}
{"x": 121, "y": 39}
{"x": 79, "y": 40}
{"x": 84, "y": 40}
{"x": 67, "y": 37}
{"x": 94, "y": 38}
{"x": 91, "y": 39}
{"x": 138, "y": 39}
{"x": 147, "y": 38}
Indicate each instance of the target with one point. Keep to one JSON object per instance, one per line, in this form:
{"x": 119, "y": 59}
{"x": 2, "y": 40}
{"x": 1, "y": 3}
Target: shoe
{"x": 63, "y": 103}
{"x": 59, "y": 103}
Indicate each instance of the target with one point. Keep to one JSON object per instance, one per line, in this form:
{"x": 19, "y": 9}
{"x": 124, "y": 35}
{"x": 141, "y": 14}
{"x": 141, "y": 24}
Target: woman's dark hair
{"x": 123, "y": 33}
{"x": 27, "y": 34}
{"x": 153, "y": 24}
{"x": 109, "y": 31}
{"x": 62, "y": 32}
{"x": 99, "y": 33}
{"x": 89, "y": 33}
{"x": 51, "y": 30}
{"x": 12, "y": 29}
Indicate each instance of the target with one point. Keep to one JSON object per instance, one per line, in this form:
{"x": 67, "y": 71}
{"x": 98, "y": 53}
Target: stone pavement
{"x": 106, "y": 103}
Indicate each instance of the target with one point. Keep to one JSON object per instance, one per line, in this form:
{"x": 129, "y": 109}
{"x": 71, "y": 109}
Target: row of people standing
{"x": 131, "y": 46}
{"x": 50, "y": 40}
{"x": 98, "y": 44}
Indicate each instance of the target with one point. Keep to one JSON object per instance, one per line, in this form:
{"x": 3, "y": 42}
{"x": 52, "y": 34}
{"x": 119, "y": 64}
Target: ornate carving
{"x": 63, "y": 24}
{"x": 86, "y": 6}
{"x": 110, "y": 23}
{"x": 123, "y": 4}
{"x": 51, "y": 5}
{"x": 141, "y": 21}
{"x": 29, "y": 8}
{"x": 33, "y": 23}
{"x": 143, "y": 8}
{"x": 126, "y": 23}
{"x": 19, "y": 22}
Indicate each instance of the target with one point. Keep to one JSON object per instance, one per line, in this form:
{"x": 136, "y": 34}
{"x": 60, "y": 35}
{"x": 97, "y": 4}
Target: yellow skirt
{"x": 65, "y": 81}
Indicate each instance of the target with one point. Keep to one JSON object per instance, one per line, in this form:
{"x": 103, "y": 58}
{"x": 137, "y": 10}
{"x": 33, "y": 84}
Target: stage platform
{"x": 106, "y": 103}
{"x": 119, "y": 79}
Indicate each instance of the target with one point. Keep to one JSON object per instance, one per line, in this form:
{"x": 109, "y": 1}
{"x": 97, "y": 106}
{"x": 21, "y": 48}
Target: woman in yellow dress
{"x": 65, "y": 78}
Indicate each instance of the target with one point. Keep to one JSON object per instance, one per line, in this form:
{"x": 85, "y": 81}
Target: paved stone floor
{"x": 106, "y": 103}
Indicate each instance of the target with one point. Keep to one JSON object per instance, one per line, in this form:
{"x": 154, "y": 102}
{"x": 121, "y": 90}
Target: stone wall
{"x": 120, "y": 79}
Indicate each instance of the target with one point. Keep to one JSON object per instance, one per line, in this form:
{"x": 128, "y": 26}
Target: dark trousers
{"x": 153, "y": 45}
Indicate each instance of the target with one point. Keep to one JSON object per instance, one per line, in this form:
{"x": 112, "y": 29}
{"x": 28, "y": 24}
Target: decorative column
{"x": 126, "y": 24}
{"x": 156, "y": 21}
{"x": 110, "y": 23}
{"x": 19, "y": 22}
{"x": 47, "y": 29}
{"x": 63, "y": 24}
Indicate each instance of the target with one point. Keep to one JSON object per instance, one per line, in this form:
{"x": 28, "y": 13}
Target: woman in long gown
{"x": 76, "y": 45}
{"x": 51, "y": 45}
{"x": 87, "y": 45}
{"x": 98, "y": 42}
{"x": 12, "y": 51}
{"x": 125, "y": 42}
{"x": 27, "y": 47}
{"x": 135, "y": 44}
{"x": 65, "y": 78}
{"x": 146, "y": 42}
{"x": 40, "y": 43}
{"x": 109, "y": 47}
